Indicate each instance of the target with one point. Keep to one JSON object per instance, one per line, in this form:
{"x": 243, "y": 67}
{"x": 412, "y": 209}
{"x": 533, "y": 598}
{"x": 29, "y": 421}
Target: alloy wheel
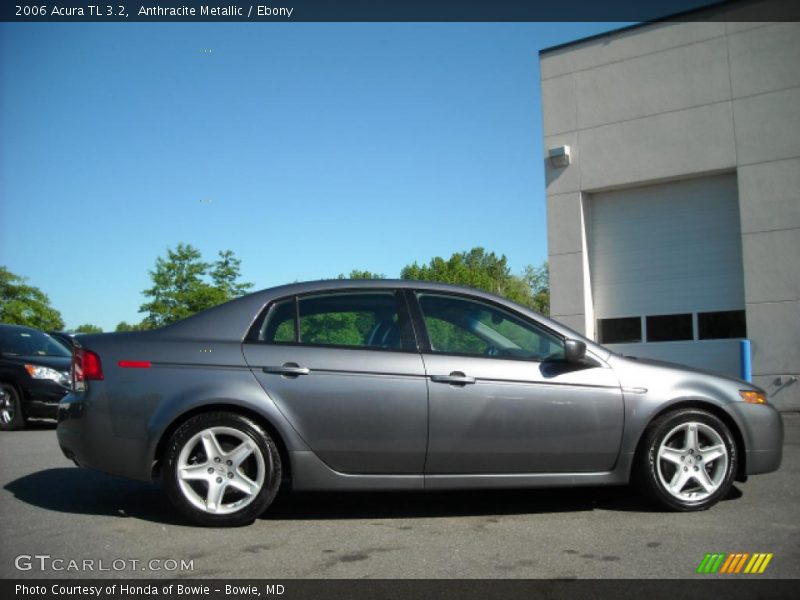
{"x": 692, "y": 461}
{"x": 7, "y": 409}
{"x": 220, "y": 470}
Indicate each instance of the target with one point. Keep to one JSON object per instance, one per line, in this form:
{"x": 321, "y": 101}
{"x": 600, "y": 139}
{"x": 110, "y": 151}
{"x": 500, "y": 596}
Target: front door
{"x": 503, "y": 400}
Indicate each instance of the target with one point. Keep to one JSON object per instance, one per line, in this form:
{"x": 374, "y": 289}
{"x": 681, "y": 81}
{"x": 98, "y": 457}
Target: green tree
{"x": 125, "y": 326}
{"x": 22, "y": 304}
{"x": 225, "y": 276}
{"x": 485, "y": 271}
{"x": 359, "y": 274}
{"x": 475, "y": 268}
{"x": 538, "y": 280}
{"x": 181, "y": 287}
{"x": 88, "y": 328}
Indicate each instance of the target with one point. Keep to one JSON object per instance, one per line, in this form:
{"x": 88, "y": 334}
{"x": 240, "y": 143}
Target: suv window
{"x": 457, "y": 325}
{"x": 20, "y": 342}
{"x": 352, "y": 319}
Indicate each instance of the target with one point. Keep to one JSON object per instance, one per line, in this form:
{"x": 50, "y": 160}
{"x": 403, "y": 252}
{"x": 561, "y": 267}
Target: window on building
{"x": 721, "y": 325}
{"x": 670, "y": 328}
{"x": 625, "y": 330}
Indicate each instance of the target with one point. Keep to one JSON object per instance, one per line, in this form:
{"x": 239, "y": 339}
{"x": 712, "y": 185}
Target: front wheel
{"x": 11, "y": 416}
{"x": 689, "y": 460}
{"x": 221, "y": 469}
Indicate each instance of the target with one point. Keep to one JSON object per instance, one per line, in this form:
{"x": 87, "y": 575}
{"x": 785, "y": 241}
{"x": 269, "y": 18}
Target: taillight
{"x": 85, "y": 366}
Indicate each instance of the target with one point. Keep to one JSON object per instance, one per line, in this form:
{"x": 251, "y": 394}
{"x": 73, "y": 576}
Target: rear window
{"x": 20, "y": 342}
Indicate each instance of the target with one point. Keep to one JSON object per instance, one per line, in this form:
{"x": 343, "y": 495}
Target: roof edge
{"x": 679, "y": 16}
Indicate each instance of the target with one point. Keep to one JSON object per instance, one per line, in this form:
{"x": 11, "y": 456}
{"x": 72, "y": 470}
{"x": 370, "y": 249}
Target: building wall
{"x": 669, "y": 101}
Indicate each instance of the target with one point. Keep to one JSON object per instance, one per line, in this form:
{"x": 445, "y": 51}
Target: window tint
{"x": 669, "y": 328}
{"x": 459, "y": 326}
{"x": 279, "y": 326}
{"x": 623, "y": 330}
{"x": 720, "y": 325}
{"x": 368, "y": 319}
{"x": 447, "y": 337}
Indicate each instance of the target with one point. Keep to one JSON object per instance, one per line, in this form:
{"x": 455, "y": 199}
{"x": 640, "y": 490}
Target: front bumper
{"x": 762, "y": 429}
{"x": 41, "y": 398}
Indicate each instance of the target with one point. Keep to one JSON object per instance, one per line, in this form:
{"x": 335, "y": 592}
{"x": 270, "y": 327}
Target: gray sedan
{"x": 399, "y": 385}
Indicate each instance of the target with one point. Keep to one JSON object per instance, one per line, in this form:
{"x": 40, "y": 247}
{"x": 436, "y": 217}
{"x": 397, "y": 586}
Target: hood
{"x": 635, "y": 365}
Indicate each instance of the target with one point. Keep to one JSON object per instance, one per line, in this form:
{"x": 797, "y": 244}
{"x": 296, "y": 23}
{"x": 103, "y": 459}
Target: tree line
{"x": 182, "y": 283}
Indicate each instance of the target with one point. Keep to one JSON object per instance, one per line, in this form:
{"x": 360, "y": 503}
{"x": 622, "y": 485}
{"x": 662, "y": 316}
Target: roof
{"x": 237, "y": 315}
{"x": 233, "y": 319}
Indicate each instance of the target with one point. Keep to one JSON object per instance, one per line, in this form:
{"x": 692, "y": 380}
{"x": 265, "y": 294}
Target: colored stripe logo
{"x": 735, "y": 563}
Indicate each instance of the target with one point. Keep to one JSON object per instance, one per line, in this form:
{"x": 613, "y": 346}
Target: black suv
{"x": 34, "y": 375}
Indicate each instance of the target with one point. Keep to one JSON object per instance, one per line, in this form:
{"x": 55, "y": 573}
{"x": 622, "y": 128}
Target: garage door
{"x": 668, "y": 257}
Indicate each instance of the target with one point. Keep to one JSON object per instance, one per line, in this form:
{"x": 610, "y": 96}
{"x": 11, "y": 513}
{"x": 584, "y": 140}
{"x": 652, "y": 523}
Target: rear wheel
{"x": 689, "y": 460}
{"x": 222, "y": 469}
{"x": 11, "y": 416}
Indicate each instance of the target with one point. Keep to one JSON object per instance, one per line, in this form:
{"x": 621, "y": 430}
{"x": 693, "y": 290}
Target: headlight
{"x": 37, "y": 372}
{"x": 752, "y": 397}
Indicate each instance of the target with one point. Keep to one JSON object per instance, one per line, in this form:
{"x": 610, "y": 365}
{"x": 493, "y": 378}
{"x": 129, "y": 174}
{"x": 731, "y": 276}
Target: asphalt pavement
{"x": 69, "y": 516}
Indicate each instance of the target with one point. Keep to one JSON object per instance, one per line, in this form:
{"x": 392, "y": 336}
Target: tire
{"x": 678, "y": 479}
{"x": 244, "y": 464}
{"x": 11, "y": 415}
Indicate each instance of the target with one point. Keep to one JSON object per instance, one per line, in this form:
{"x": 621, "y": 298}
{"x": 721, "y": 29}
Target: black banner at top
{"x": 397, "y": 10}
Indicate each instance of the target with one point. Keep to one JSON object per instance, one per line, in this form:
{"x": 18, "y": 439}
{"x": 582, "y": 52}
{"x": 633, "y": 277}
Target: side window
{"x": 365, "y": 319}
{"x": 459, "y": 326}
{"x": 279, "y": 326}
{"x": 447, "y": 337}
{"x": 355, "y": 319}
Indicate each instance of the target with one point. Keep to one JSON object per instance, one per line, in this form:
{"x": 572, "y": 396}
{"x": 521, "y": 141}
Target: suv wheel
{"x": 689, "y": 460}
{"x": 11, "y": 416}
{"x": 221, "y": 469}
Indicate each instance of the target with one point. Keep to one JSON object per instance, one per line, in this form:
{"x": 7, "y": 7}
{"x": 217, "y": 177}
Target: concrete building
{"x": 673, "y": 194}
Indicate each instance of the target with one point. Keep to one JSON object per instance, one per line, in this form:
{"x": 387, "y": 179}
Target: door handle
{"x": 455, "y": 378}
{"x": 289, "y": 369}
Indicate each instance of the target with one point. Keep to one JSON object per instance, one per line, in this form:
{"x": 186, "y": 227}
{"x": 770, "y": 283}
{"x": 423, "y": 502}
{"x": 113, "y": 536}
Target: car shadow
{"x": 402, "y": 505}
{"x": 82, "y": 491}
{"x": 40, "y": 424}
{"x": 462, "y": 503}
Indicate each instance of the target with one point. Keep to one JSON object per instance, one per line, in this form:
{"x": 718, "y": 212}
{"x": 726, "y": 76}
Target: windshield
{"x": 22, "y": 342}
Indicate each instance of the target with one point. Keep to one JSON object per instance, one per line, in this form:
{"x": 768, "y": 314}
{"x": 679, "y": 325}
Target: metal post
{"x": 746, "y": 360}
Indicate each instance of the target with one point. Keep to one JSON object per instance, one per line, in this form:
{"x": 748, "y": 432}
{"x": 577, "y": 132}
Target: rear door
{"x": 503, "y": 400}
{"x": 344, "y": 369}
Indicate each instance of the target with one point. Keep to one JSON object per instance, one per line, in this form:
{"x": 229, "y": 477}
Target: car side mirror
{"x": 574, "y": 350}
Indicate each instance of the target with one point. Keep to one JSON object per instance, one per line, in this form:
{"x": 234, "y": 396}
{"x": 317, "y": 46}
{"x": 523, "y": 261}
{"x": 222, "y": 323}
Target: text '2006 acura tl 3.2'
{"x": 399, "y": 385}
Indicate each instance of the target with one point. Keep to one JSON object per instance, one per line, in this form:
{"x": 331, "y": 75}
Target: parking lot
{"x": 51, "y": 508}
